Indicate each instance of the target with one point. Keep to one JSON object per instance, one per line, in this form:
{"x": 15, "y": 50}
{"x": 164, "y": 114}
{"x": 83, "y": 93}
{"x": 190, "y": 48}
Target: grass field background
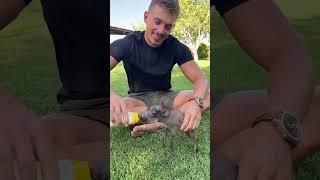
{"x": 236, "y": 71}
{"x": 27, "y": 60}
{"x": 146, "y": 157}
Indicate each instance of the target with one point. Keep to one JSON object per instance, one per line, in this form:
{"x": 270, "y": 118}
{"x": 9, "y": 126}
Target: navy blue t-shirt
{"x": 224, "y": 6}
{"x": 149, "y": 68}
{"x": 79, "y": 31}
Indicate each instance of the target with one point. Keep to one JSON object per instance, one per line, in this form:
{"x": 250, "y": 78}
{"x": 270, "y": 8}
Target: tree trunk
{"x": 195, "y": 53}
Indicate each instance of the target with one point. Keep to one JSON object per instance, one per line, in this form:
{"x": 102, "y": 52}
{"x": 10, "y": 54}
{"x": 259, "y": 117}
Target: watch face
{"x": 292, "y": 125}
{"x": 201, "y": 101}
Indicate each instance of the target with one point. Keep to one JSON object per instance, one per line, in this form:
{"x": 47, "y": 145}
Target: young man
{"x": 261, "y": 131}
{"x": 148, "y": 58}
{"x": 80, "y": 132}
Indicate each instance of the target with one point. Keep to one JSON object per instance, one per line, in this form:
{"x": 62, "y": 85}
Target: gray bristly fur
{"x": 172, "y": 120}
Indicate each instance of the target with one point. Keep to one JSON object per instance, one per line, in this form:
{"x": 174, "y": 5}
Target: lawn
{"x": 236, "y": 71}
{"x": 27, "y": 60}
{"x": 145, "y": 157}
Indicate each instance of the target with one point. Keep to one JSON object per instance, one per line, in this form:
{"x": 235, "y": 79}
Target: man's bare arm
{"x": 9, "y": 10}
{"x": 24, "y": 139}
{"x": 113, "y": 64}
{"x": 118, "y": 108}
{"x": 192, "y": 114}
{"x": 264, "y": 33}
{"x": 193, "y": 73}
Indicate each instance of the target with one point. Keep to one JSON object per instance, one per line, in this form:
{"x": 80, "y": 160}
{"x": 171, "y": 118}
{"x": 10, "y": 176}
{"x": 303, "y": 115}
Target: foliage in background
{"x": 203, "y": 52}
{"x": 193, "y": 26}
{"x": 139, "y": 27}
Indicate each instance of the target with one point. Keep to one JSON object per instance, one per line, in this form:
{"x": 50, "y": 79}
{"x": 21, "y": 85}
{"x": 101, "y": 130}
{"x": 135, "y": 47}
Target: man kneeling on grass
{"x": 148, "y": 58}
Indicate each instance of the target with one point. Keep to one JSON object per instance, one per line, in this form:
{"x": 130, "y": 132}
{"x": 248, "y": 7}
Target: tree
{"x": 139, "y": 27}
{"x": 193, "y": 26}
{"x": 203, "y": 51}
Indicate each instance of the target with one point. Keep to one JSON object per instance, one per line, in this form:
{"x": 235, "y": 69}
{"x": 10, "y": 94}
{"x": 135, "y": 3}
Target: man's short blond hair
{"x": 171, "y": 5}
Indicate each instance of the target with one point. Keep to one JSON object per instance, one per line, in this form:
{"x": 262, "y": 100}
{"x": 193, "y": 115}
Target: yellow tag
{"x": 81, "y": 170}
{"x": 135, "y": 118}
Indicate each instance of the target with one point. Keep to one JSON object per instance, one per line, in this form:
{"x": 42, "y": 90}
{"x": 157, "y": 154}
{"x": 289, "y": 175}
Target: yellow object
{"x": 133, "y": 117}
{"x": 81, "y": 170}
{"x": 69, "y": 170}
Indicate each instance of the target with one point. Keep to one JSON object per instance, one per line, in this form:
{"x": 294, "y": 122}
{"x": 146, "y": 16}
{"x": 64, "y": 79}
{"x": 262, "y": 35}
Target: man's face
{"x": 159, "y": 24}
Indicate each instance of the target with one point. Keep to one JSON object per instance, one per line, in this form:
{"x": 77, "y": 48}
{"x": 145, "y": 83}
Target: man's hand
{"x": 118, "y": 110}
{"x": 260, "y": 153}
{"x": 139, "y": 130}
{"x": 192, "y": 116}
{"x": 24, "y": 140}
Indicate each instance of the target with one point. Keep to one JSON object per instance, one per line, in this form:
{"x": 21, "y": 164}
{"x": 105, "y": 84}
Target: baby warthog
{"x": 172, "y": 120}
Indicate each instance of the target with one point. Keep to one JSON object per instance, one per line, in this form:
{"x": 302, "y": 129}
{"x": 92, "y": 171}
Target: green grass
{"x": 27, "y": 60}
{"x": 236, "y": 71}
{"x": 145, "y": 157}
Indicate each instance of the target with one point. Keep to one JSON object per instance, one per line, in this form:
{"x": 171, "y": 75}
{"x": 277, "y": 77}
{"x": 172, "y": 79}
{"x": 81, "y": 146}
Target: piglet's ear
{"x": 165, "y": 113}
{"x": 164, "y": 106}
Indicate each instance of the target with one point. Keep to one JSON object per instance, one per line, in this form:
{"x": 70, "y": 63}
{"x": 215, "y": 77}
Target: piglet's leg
{"x": 192, "y": 136}
{"x": 166, "y": 137}
{"x": 173, "y": 133}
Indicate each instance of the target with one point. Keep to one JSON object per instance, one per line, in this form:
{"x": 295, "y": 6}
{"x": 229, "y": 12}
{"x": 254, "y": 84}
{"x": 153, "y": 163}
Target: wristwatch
{"x": 199, "y": 101}
{"x": 288, "y": 126}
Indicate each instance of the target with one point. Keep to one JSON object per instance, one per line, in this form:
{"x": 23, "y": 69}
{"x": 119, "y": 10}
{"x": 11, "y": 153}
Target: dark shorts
{"x": 93, "y": 109}
{"x": 156, "y": 97}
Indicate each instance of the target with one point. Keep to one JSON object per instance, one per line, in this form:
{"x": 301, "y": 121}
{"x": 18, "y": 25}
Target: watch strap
{"x": 196, "y": 98}
{"x": 265, "y": 117}
{"x": 273, "y": 117}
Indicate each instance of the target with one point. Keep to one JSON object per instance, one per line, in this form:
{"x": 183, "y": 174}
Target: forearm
{"x": 12, "y": 108}
{"x": 112, "y": 93}
{"x": 113, "y": 63}
{"x": 291, "y": 83}
{"x": 200, "y": 87}
{"x": 265, "y": 34}
{"x": 310, "y": 126}
{"x": 9, "y": 10}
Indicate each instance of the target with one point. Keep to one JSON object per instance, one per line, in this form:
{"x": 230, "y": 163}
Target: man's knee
{"x": 182, "y": 98}
{"x": 68, "y": 129}
{"x": 135, "y": 105}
